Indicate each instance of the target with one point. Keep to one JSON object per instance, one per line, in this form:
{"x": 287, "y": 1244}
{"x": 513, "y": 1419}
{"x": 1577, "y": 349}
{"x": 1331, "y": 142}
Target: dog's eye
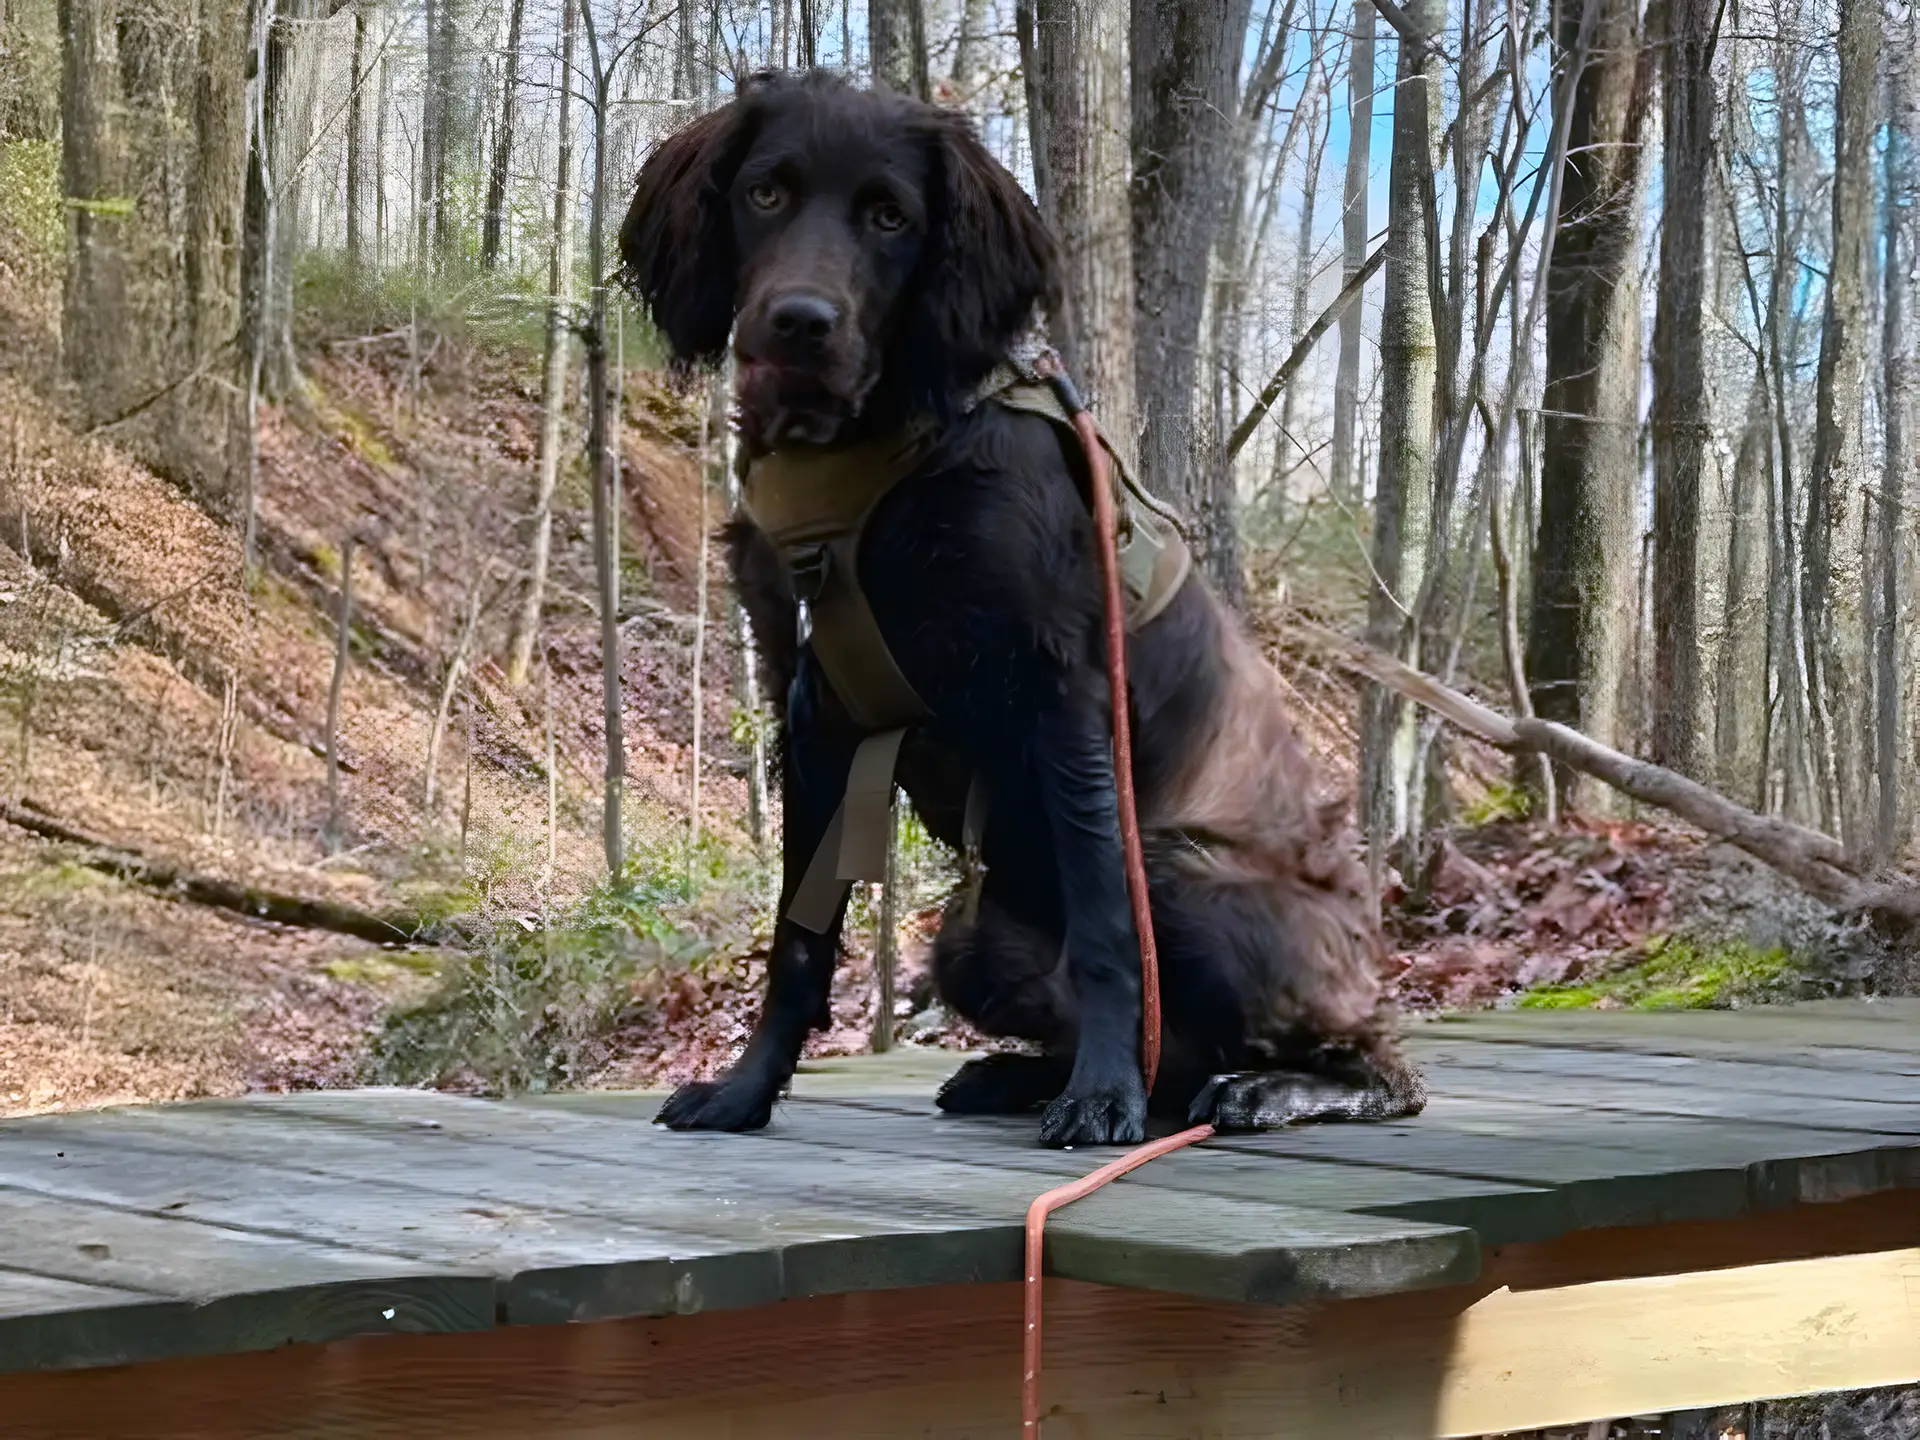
{"x": 888, "y": 216}
{"x": 765, "y": 197}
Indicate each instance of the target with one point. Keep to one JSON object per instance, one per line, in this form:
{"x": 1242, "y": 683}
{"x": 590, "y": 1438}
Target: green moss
{"x": 387, "y": 969}
{"x": 1678, "y": 972}
{"x": 1502, "y": 801}
{"x": 60, "y": 880}
{"x": 31, "y": 206}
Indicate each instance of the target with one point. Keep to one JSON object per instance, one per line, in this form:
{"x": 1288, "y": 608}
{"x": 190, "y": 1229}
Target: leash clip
{"x": 808, "y": 565}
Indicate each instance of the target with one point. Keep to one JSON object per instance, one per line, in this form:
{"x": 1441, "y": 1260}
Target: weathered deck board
{"x": 225, "y": 1226}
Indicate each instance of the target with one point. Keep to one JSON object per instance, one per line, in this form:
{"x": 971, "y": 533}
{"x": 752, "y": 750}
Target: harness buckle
{"x": 808, "y": 565}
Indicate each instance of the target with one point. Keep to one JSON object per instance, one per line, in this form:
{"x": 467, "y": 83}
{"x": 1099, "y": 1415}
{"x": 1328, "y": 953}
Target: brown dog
{"x": 870, "y": 264}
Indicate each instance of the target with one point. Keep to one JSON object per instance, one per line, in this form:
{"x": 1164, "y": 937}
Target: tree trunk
{"x": 293, "y": 66}
{"x": 606, "y": 555}
{"x": 1289, "y": 452}
{"x": 970, "y": 50}
{"x": 1185, "y": 62}
{"x": 1402, "y": 512}
{"x": 1587, "y": 554}
{"x": 1899, "y": 498}
{"x": 207, "y": 414}
{"x": 342, "y": 658}
{"x": 1740, "y": 684}
{"x": 1842, "y": 386}
{"x": 93, "y": 163}
{"x": 1079, "y": 123}
{"x": 1682, "y": 423}
{"x": 897, "y": 45}
{"x": 553, "y": 373}
{"x": 356, "y": 125}
{"x": 1347, "y": 483}
{"x": 503, "y": 142}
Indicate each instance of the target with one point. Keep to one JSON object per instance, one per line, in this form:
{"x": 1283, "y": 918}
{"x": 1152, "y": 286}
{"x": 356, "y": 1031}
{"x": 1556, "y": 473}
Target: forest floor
{"x": 148, "y": 697}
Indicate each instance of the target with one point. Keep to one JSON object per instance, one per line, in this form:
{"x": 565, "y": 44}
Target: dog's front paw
{"x": 1003, "y": 1085}
{"x": 1113, "y": 1114}
{"x": 728, "y": 1104}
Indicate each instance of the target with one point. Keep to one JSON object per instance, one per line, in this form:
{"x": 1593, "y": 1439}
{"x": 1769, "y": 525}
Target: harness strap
{"x": 847, "y": 642}
{"x": 855, "y": 845}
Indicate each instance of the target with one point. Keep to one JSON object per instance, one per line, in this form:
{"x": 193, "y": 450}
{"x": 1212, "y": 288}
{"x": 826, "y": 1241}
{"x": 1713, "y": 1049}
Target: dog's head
{"x": 863, "y": 253}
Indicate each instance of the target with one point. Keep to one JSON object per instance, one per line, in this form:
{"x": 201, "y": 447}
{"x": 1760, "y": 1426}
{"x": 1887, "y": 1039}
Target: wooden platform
{"x": 1599, "y": 1214}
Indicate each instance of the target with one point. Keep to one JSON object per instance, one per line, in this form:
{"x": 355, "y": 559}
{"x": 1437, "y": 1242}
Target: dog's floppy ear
{"x": 676, "y": 245}
{"x": 994, "y": 259}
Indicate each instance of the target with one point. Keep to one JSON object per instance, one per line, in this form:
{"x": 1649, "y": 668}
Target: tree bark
{"x": 1586, "y": 557}
{"x": 606, "y": 554}
{"x": 490, "y": 237}
{"x": 356, "y": 128}
{"x": 1740, "y": 684}
{"x": 1288, "y": 451}
{"x": 1185, "y": 61}
{"x": 970, "y": 46}
{"x": 1839, "y": 399}
{"x": 1079, "y": 122}
{"x": 207, "y": 413}
{"x": 1343, "y": 474}
{"x": 342, "y": 658}
{"x": 553, "y": 373}
{"x": 1682, "y": 424}
{"x": 897, "y": 46}
{"x": 93, "y": 169}
{"x": 1899, "y": 498}
{"x": 1402, "y": 512}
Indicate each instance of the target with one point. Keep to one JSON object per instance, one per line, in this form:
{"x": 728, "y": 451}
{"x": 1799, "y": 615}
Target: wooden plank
{"x": 164, "y": 1286}
{"x": 1635, "y": 1094}
{"x": 1537, "y": 1067}
{"x": 1528, "y": 1359}
{"x": 1536, "y": 1171}
{"x": 646, "y": 1230}
{"x": 1525, "y": 1347}
{"x": 1818, "y": 1040}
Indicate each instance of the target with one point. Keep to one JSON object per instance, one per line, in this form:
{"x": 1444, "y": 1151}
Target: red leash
{"x": 1107, "y": 543}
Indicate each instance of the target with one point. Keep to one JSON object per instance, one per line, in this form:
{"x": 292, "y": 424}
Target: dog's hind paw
{"x": 726, "y": 1104}
{"x": 1004, "y": 1084}
{"x": 1115, "y": 1116}
{"x": 1270, "y": 1099}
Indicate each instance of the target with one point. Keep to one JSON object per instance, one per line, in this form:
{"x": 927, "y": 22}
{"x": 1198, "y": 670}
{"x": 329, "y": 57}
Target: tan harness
{"x": 814, "y": 506}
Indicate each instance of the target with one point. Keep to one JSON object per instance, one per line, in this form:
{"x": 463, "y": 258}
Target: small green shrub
{"x": 533, "y": 1003}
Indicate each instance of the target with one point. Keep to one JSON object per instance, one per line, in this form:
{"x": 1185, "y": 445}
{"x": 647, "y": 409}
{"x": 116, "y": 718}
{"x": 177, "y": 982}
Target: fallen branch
{"x": 251, "y": 901}
{"x": 1816, "y": 862}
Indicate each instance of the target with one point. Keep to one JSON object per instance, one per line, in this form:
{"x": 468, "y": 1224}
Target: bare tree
{"x": 1185, "y": 60}
{"x": 1681, "y": 422}
{"x": 1585, "y": 556}
{"x": 1403, "y": 499}
{"x": 356, "y": 133}
{"x": 1078, "y": 115}
{"x": 490, "y": 235}
{"x": 336, "y": 689}
{"x": 1898, "y": 499}
{"x": 602, "y": 429}
{"x": 1837, "y": 460}
{"x": 553, "y": 372}
{"x": 93, "y": 156}
{"x": 1344, "y": 477}
{"x": 897, "y": 46}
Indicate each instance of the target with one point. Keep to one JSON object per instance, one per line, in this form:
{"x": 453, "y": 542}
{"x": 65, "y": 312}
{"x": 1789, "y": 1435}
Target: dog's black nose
{"x": 804, "y": 317}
